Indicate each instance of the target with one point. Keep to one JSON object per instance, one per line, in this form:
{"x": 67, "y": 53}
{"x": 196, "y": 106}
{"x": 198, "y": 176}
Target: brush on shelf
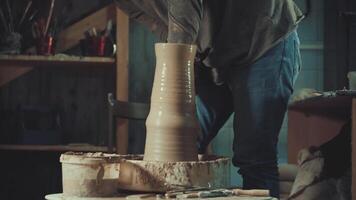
{"x": 49, "y": 18}
{"x": 28, "y": 6}
{"x": 45, "y": 27}
{"x": 92, "y": 32}
{"x": 13, "y": 23}
{"x": 3, "y": 21}
{"x": 11, "y": 19}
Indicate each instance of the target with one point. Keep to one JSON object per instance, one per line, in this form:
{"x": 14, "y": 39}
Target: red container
{"x": 100, "y": 46}
{"x": 96, "y": 46}
{"x": 45, "y": 46}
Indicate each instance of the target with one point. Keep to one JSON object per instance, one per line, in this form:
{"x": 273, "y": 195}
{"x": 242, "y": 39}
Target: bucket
{"x": 90, "y": 174}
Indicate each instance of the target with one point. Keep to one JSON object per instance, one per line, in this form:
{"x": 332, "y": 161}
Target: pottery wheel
{"x": 153, "y": 176}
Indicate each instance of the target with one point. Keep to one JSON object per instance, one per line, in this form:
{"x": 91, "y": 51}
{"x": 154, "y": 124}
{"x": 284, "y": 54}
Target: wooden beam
{"x": 122, "y": 76}
{"x": 70, "y": 37}
{"x": 353, "y": 147}
{"x": 13, "y": 66}
{"x": 10, "y": 73}
{"x": 54, "y": 61}
{"x": 59, "y": 148}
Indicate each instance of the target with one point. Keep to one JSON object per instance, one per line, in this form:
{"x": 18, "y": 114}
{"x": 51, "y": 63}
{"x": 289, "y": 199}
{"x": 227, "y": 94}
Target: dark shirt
{"x": 227, "y": 32}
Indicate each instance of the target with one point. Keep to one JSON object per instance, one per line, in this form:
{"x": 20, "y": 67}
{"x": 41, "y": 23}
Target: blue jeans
{"x": 258, "y": 96}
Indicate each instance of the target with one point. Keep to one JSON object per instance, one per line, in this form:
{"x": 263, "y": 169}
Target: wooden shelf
{"x": 14, "y": 66}
{"x": 333, "y": 104}
{"x": 54, "y": 61}
{"x": 57, "y": 148}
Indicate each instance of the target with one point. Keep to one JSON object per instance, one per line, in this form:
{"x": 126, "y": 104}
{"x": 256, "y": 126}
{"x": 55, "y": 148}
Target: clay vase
{"x": 172, "y": 126}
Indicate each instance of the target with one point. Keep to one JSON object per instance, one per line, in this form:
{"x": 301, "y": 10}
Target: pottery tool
{"x": 87, "y": 34}
{"x": 33, "y": 15}
{"x": 3, "y": 21}
{"x": 53, "y": 30}
{"x": 175, "y": 193}
{"x": 11, "y": 20}
{"x": 221, "y": 193}
{"x": 179, "y": 187}
{"x": 90, "y": 33}
{"x": 93, "y": 32}
{"x": 49, "y": 17}
{"x": 254, "y": 192}
{"x": 28, "y": 6}
{"x": 144, "y": 196}
{"x": 206, "y": 194}
{"x": 41, "y": 27}
{"x": 36, "y": 30}
{"x": 108, "y": 28}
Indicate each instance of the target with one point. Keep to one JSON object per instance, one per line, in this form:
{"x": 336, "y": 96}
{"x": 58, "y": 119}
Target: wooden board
{"x": 122, "y": 77}
{"x": 59, "y": 148}
{"x": 353, "y": 154}
{"x": 13, "y": 66}
{"x": 305, "y": 130}
{"x": 8, "y": 74}
{"x": 71, "y": 35}
{"x": 314, "y": 121}
{"x": 335, "y": 107}
{"x": 54, "y": 61}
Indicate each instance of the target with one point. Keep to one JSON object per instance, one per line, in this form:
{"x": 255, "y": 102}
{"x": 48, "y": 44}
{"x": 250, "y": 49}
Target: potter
{"x": 247, "y": 62}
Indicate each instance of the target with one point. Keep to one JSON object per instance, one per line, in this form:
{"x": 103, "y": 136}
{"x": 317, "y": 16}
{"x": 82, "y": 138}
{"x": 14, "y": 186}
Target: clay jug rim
{"x": 167, "y": 49}
{"x": 162, "y": 44}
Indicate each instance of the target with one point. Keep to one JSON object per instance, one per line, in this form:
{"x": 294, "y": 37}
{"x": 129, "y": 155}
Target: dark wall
{"x": 29, "y": 175}
{"x": 340, "y": 42}
{"x": 78, "y": 97}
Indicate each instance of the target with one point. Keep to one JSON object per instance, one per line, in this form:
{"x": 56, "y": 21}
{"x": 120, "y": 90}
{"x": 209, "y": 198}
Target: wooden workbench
{"x": 314, "y": 121}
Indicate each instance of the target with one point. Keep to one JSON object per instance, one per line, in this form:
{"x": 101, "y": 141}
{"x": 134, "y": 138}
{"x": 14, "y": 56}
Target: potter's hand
{"x": 204, "y": 141}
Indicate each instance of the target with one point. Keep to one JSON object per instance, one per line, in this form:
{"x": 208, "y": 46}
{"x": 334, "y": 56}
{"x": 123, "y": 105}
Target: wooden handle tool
{"x": 206, "y": 194}
{"x": 49, "y": 17}
{"x": 255, "y": 192}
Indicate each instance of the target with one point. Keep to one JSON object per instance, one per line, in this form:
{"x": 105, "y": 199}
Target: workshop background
{"x": 79, "y": 97}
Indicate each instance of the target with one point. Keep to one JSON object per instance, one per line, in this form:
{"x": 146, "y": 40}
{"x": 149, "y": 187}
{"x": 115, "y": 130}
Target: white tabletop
{"x": 61, "y": 197}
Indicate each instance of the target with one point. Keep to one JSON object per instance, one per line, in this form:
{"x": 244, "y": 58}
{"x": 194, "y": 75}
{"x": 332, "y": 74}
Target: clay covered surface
{"x": 101, "y": 175}
{"x": 140, "y": 175}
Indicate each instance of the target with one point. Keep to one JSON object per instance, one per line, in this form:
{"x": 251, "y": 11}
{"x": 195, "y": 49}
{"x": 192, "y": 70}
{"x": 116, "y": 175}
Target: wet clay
{"x": 172, "y": 126}
{"x": 101, "y": 175}
{"x": 151, "y": 176}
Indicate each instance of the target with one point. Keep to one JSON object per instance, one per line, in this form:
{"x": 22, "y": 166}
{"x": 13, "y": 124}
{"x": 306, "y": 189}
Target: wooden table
{"x": 60, "y": 197}
{"x": 314, "y": 121}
